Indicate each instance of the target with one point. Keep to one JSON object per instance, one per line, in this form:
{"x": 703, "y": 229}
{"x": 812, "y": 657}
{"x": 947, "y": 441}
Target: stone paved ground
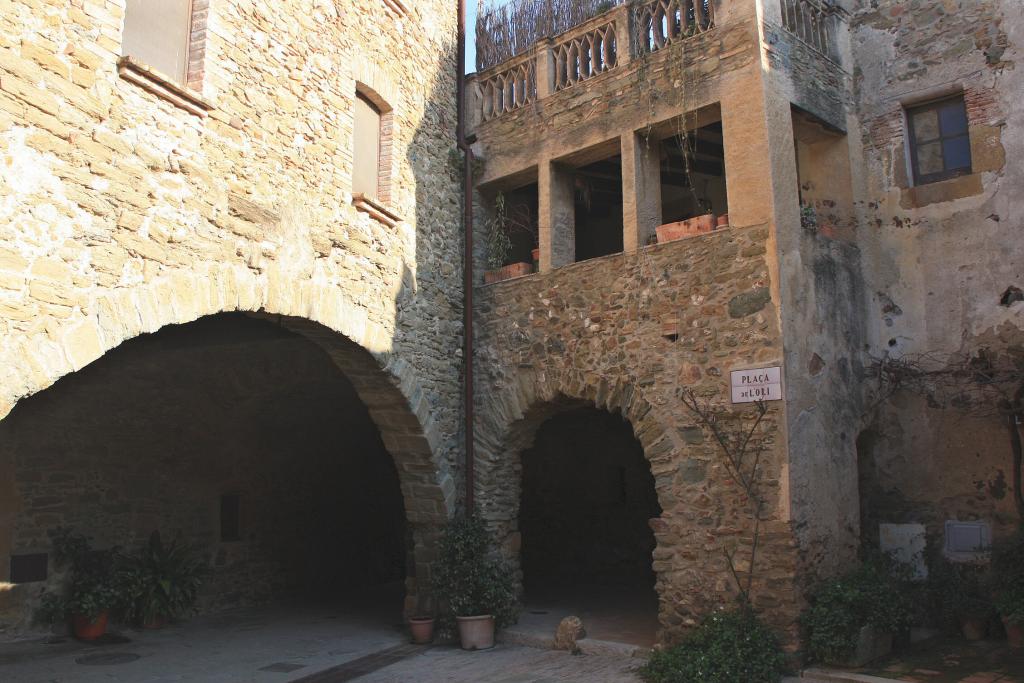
{"x": 286, "y": 645}
{"x": 953, "y": 661}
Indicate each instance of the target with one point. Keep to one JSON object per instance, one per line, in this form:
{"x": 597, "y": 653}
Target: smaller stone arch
{"x": 507, "y": 425}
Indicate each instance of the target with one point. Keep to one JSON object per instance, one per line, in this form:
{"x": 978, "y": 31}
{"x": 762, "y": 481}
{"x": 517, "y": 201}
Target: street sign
{"x": 756, "y": 384}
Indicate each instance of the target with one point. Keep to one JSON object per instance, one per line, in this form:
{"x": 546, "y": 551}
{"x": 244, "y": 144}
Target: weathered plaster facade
{"x": 938, "y": 257}
{"x": 123, "y": 212}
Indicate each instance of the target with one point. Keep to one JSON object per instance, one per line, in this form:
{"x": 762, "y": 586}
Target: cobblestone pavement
{"x": 505, "y": 664}
{"x": 293, "y": 644}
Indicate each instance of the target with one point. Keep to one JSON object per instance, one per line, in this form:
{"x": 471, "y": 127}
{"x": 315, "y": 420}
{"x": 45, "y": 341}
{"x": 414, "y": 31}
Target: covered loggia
{"x": 587, "y": 496}
{"x": 237, "y": 434}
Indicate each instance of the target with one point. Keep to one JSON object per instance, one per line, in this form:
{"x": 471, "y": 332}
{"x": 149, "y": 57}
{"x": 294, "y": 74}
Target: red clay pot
{"x": 89, "y": 629}
{"x": 422, "y": 629}
{"x": 536, "y": 255}
{"x": 668, "y": 232}
{"x": 1014, "y": 634}
{"x": 510, "y": 271}
{"x": 722, "y": 221}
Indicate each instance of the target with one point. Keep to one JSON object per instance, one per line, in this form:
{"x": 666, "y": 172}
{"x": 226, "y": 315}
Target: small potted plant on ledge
{"x": 165, "y": 580}
{"x": 476, "y": 587}
{"x": 852, "y": 619}
{"x": 498, "y": 245}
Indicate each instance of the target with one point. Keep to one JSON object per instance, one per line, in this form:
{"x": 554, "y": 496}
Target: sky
{"x": 470, "y": 36}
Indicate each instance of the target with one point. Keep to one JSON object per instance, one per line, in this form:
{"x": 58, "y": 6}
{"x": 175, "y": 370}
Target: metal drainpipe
{"x": 467, "y": 259}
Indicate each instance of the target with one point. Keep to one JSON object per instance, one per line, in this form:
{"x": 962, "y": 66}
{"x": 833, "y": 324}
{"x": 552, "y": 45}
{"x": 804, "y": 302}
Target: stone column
{"x": 545, "y": 65}
{"x": 557, "y": 229}
{"x": 624, "y": 47}
{"x": 641, "y": 190}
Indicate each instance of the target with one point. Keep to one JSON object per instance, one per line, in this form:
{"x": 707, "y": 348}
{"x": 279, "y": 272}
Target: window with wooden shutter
{"x": 157, "y": 33}
{"x": 366, "y": 148}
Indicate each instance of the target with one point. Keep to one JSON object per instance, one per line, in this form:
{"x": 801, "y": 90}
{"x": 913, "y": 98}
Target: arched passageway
{"x": 587, "y": 497}
{"x": 238, "y": 434}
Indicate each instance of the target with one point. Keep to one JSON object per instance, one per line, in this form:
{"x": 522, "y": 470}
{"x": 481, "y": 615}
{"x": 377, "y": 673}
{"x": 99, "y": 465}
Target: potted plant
{"x": 852, "y": 618}
{"x": 498, "y": 245}
{"x": 422, "y": 629}
{"x": 476, "y": 587}
{"x": 165, "y": 580}
{"x": 1007, "y": 579}
{"x": 1010, "y": 604}
{"x": 95, "y": 585}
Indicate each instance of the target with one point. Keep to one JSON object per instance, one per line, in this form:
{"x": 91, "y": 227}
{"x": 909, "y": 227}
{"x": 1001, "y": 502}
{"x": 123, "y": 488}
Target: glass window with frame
{"x": 940, "y": 146}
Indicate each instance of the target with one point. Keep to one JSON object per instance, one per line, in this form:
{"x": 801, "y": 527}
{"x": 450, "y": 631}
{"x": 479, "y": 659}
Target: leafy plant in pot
{"x": 476, "y": 587}
{"x": 1007, "y": 582}
{"x": 498, "y": 242}
{"x": 165, "y": 580}
{"x": 96, "y": 585}
{"x": 852, "y": 618}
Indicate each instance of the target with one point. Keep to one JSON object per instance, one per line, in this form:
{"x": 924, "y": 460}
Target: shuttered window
{"x": 156, "y": 33}
{"x": 366, "y": 148}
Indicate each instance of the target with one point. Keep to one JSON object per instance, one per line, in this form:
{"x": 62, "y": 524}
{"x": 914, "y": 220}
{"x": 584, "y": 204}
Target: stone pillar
{"x": 557, "y": 229}
{"x": 641, "y": 190}
{"x": 624, "y": 47}
{"x": 545, "y": 66}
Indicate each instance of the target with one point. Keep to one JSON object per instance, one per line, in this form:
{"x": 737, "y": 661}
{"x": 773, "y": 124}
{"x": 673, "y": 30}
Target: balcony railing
{"x": 663, "y": 22}
{"x": 512, "y": 86}
{"x": 596, "y": 46}
{"x": 813, "y": 22}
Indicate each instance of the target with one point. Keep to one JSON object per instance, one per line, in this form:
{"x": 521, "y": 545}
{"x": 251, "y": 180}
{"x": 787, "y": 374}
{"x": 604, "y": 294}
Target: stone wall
{"x": 151, "y": 436}
{"x": 938, "y": 257}
{"x": 123, "y": 212}
{"x": 625, "y": 333}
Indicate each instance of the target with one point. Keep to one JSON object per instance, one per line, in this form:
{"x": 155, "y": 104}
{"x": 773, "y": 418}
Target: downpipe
{"x": 467, "y": 257}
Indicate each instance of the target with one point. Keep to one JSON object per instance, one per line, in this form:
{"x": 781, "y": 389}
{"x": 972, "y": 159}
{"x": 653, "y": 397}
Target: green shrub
{"x": 469, "y": 579}
{"x": 730, "y": 646}
{"x": 164, "y": 579}
{"x": 868, "y": 596}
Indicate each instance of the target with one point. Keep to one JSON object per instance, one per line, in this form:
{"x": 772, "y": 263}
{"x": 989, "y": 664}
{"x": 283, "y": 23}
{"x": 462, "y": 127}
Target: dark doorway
{"x": 588, "y": 494}
{"x": 234, "y": 433}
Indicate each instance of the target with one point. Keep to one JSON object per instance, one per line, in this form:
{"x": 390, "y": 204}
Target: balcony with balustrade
{"x": 652, "y": 112}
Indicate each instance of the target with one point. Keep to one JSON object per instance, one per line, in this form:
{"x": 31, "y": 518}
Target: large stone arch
{"x": 323, "y": 313}
{"x": 507, "y": 423}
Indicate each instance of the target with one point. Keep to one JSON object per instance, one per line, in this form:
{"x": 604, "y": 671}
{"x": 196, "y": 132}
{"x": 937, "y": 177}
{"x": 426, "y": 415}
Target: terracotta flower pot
{"x": 1014, "y": 634}
{"x": 722, "y": 221}
{"x": 90, "y": 629}
{"x": 422, "y": 629}
{"x": 972, "y": 628}
{"x": 476, "y": 633}
{"x": 536, "y": 255}
{"x": 510, "y": 271}
{"x": 668, "y": 232}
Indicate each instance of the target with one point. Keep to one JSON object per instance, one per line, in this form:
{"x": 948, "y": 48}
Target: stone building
{"x": 231, "y": 290}
{"x": 213, "y": 319}
{"x": 815, "y": 127}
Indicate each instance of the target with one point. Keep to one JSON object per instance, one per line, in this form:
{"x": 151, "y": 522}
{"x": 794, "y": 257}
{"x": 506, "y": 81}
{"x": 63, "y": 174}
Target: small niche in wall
{"x": 29, "y": 568}
{"x": 230, "y": 517}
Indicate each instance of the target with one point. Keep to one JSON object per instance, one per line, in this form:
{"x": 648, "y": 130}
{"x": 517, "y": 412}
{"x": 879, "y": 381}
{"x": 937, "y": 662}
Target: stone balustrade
{"x": 594, "y": 47}
{"x": 814, "y": 22}
{"x": 511, "y": 85}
